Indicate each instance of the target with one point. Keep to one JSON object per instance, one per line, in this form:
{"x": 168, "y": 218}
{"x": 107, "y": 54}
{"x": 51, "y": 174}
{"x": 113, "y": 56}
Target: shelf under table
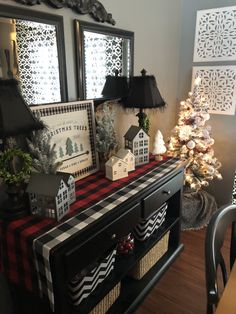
{"x": 134, "y": 291}
{"x": 123, "y": 265}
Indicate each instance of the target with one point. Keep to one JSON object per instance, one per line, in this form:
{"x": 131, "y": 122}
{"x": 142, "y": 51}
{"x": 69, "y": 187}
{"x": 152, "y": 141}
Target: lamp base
{"x": 143, "y": 120}
{"x": 10, "y": 210}
{"x": 13, "y": 206}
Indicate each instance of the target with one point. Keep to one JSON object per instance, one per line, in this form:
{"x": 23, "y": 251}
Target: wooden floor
{"x": 182, "y": 289}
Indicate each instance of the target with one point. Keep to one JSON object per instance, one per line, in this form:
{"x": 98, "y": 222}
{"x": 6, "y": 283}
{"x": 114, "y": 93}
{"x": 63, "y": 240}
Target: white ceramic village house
{"x": 116, "y": 168}
{"x": 137, "y": 140}
{"x": 128, "y": 157}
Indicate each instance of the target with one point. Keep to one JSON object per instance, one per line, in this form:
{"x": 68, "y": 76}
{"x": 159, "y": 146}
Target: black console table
{"x": 95, "y": 224}
{"x": 76, "y": 254}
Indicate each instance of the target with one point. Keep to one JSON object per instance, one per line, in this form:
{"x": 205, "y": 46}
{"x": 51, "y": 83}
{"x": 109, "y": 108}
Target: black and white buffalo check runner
{"x": 45, "y": 243}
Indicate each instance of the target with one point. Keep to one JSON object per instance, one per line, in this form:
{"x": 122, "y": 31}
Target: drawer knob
{"x": 113, "y": 236}
{"x": 167, "y": 192}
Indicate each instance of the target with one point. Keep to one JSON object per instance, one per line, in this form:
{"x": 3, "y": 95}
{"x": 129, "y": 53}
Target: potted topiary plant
{"x": 15, "y": 168}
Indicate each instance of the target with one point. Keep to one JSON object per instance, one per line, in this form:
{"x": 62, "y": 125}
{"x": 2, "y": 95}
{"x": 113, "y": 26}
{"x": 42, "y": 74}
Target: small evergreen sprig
{"x": 43, "y": 153}
{"x": 105, "y": 135}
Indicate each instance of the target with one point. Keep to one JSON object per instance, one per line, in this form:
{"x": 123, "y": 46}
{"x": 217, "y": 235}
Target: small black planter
{"x": 14, "y": 206}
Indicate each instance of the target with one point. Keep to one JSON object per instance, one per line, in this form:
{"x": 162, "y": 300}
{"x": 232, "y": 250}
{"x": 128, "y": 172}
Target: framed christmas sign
{"x": 71, "y": 126}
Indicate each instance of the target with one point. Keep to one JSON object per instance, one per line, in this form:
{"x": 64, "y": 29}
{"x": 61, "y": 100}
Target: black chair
{"x": 220, "y": 221}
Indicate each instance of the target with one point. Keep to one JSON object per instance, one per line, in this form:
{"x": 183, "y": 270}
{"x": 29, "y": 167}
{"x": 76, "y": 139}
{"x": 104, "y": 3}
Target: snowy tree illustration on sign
{"x": 69, "y": 147}
{"x": 61, "y": 153}
{"x": 76, "y": 149}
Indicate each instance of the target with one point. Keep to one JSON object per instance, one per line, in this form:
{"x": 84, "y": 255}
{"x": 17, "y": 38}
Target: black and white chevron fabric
{"x": 234, "y": 190}
{"x": 80, "y": 288}
{"x": 148, "y": 226}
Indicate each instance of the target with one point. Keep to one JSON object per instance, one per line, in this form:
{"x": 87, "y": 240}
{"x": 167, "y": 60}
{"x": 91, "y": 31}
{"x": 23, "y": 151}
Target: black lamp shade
{"x": 144, "y": 93}
{"x": 15, "y": 115}
{"x": 115, "y": 87}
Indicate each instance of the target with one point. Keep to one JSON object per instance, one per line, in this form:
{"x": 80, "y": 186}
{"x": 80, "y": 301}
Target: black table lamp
{"x": 15, "y": 115}
{"x": 115, "y": 87}
{"x": 143, "y": 94}
{"x": 16, "y": 119}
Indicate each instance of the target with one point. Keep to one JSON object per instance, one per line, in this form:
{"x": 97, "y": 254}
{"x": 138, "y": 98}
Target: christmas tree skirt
{"x": 197, "y": 209}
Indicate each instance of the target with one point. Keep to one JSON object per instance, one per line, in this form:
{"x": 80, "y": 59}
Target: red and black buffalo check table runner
{"x": 26, "y": 243}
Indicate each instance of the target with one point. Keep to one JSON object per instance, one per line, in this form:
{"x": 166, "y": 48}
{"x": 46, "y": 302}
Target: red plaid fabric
{"x": 16, "y": 254}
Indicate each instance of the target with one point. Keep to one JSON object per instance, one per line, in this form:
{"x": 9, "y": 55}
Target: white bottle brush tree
{"x": 159, "y": 147}
{"x": 191, "y": 141}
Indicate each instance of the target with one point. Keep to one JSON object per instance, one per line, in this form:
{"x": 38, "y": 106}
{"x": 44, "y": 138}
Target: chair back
{"x": 215, "y": 234}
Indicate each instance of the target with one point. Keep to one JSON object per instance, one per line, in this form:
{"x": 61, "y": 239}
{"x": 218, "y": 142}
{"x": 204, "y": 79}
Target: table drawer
{"x": 161, "y": 195}
{"x": 87, "y": 252}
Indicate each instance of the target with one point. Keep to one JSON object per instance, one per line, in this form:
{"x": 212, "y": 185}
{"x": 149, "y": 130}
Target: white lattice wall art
{"x": 218, "y": 87}
{"x": 215, "y": 35}
{"x": 39, "y": 69}
{"x": 234, "y": 190}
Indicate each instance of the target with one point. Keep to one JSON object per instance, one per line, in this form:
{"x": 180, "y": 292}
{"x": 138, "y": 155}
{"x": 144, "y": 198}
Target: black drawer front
{"x": 87, "y": 252}
{"x": 161, "y": 195}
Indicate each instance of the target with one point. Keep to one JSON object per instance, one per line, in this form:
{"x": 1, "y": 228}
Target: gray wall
{"x": 156, "y": 24}
{"x": 223, "y": 127}
{"x": 157, "y": 37}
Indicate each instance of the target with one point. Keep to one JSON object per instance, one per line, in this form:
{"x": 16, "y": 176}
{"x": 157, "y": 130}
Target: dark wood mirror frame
{"x": 80, "y": 28}
{"x": 50, "y": 19}
{"x": 92, "y": 7}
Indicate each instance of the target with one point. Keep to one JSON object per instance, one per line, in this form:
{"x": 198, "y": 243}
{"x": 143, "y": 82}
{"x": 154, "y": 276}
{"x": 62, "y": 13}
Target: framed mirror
{"x": 101, "y": 51}
{"x": 32, "y": 51}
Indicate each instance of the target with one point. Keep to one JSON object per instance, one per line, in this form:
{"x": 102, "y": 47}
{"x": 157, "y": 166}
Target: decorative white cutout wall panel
{"x": 234, "y": 190}
{"x": 215, "y": 35}
{"x": 218, "y": 87}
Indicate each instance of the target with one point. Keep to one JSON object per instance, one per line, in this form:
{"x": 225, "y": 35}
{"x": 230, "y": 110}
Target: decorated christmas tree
{"x": 191, "y": 141}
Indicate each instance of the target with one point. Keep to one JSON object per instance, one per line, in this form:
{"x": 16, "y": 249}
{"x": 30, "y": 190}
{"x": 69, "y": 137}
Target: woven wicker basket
{"x": 150, "y": 259}
{"x": 103, "y": 306}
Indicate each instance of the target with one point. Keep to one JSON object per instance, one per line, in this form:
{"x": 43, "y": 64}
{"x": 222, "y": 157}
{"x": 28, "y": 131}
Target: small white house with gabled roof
{"x": 137, "y": 140}
{"x": 116, "y": 169}
{"x": 128, "y": 157}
